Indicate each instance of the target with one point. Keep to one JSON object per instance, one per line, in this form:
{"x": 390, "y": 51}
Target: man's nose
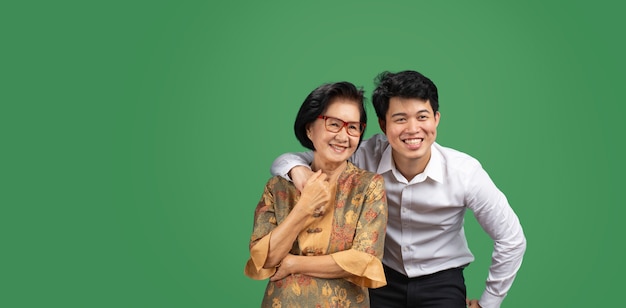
{"x": 414, "y": 126}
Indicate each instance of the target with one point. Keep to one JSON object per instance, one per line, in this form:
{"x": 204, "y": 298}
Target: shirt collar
{"x": 386, "y": 161}
{"x": 433, "y": 170}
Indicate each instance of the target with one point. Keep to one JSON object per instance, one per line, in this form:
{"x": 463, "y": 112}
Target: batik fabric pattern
{"x": 352, "y": 231}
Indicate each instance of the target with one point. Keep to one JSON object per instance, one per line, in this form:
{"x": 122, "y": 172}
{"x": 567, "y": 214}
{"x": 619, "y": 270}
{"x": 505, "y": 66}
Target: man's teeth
{"x": 413, "y": 141}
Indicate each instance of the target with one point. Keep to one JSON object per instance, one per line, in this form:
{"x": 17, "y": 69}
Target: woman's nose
{"x": 342, "y": 134}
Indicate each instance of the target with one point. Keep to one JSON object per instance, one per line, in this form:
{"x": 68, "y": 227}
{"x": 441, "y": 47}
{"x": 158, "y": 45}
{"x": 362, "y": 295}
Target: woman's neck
{"x": 332, "y": 170}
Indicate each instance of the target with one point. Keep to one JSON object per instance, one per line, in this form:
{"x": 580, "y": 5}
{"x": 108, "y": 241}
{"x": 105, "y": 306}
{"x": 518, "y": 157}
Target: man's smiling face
{"x": 411, "y": 128}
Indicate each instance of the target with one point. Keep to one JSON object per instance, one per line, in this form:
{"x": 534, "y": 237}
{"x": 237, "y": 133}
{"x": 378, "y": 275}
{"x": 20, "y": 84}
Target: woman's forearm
{"x": 316, "y": 266}
{"x": 283, "y": 237}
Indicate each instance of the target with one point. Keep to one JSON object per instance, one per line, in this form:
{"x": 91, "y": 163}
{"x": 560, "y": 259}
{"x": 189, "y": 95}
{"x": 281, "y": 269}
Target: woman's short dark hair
{"x": 318, "y": 100}
{"x": 405, "y": 84}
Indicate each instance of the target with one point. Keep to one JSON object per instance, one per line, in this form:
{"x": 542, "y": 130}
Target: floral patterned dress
{"x": 352, "y": 231}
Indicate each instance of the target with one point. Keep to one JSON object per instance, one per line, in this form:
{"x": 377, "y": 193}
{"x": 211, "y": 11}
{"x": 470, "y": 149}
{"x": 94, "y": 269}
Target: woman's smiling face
{"x": 331, "y": 148}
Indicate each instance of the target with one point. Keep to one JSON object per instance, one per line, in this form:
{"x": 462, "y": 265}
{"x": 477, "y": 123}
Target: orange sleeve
{"x": 258, "y": 255}
{"x": 366, "y": 268}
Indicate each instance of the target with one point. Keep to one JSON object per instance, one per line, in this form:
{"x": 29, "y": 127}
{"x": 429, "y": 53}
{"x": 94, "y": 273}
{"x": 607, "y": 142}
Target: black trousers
{"x": 445, "y": 289}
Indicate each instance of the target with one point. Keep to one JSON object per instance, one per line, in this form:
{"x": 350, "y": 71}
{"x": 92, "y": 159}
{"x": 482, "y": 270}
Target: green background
{"x": 137, "y": 136}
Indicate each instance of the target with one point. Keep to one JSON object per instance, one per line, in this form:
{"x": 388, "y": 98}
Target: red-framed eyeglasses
{"x": 335, "y": 125}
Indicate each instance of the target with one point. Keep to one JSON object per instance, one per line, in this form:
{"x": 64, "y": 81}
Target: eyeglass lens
{"x": 335, "y": 125}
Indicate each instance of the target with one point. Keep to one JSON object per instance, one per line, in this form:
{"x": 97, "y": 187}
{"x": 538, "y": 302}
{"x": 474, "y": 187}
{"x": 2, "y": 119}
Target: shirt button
{"x": 316, "y": 230}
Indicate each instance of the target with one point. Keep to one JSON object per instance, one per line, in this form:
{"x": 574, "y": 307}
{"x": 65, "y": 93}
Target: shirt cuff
{"x": 488, "y": 300}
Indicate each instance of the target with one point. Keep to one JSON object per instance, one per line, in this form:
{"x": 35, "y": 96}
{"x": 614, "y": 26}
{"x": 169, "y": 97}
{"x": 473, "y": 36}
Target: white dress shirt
{"x": 425, "y": 227}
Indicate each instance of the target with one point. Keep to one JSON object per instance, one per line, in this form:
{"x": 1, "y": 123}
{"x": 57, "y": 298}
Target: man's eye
{"x": 400, "y": 120}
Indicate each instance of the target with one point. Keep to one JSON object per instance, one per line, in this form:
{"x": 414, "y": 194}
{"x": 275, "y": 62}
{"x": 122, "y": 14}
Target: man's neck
{"x": 410, "y": 167}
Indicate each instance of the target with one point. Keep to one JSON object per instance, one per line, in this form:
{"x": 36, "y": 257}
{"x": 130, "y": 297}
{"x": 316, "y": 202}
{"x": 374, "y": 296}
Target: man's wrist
{"x": 488, "y": 300}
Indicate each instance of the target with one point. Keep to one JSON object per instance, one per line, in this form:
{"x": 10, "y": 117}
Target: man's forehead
{"x": 400, "y": 104}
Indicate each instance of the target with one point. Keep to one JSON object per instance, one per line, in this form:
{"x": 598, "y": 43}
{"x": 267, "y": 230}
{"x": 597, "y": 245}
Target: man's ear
{"x": 382, "y": 125}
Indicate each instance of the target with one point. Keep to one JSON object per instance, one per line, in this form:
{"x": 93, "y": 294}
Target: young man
{"x": 429, "y": 188}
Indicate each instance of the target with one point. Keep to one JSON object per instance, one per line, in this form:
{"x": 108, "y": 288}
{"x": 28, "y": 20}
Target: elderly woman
{"x": 322, "y": 247}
